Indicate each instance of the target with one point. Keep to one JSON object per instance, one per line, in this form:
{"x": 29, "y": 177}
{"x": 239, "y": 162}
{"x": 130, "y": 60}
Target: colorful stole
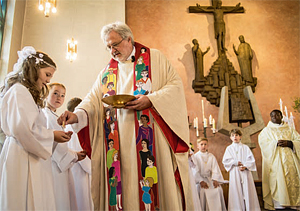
{"x": 144, "y": 129}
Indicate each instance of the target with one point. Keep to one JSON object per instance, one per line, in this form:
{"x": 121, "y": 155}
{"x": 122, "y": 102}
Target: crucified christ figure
{"x": 219, "y": 25}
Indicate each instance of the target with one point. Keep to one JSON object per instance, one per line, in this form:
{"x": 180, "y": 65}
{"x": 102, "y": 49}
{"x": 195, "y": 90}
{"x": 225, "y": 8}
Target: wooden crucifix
{"x": 219, "y": 25}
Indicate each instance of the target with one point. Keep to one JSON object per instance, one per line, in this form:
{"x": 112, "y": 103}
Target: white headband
{"x": 28, "y": 52}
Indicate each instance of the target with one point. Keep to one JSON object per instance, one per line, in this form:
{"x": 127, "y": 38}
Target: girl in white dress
{"x": 63, "y": 158}
{"x": 26, "y": 181}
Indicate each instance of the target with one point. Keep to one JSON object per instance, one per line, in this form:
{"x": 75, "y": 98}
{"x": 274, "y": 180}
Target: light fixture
{"x": 71, "y": 49}
{"x": 47, "y": 5}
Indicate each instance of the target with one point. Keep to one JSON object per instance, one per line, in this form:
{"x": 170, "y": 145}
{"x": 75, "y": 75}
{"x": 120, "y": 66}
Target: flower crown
{"x": 24, "y": 54}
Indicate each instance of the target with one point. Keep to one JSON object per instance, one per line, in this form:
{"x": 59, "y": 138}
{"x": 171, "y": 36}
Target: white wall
{"x": 83, "y": 20}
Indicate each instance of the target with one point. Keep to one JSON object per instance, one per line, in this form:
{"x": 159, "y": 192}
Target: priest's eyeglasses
{"x": 114, "y": 46}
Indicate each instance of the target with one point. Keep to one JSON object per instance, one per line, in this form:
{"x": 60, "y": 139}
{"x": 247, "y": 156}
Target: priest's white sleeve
{"x": 82, "y": 120}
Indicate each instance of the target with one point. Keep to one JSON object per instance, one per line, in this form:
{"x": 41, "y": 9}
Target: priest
{"x": 280, "y": 148}
{"x": 165, "y": 104}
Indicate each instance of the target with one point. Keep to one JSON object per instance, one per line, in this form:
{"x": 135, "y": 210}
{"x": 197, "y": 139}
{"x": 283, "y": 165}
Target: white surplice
{"x": 169, "y": 101}
{"x": 242, "y": 191}
{"x": 280, "y": 166}
{"x": 207, "y": 170}
{"x": 26, "y": 181}
{"x": 62, "y": 160}
{"x": 81, "y": 172}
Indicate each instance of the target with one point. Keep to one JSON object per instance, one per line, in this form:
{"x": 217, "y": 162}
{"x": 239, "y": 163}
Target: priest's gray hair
{"x": 121, "y": 28}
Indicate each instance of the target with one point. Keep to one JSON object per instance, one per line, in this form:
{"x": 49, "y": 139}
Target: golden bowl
{"x": 118, "y": 101}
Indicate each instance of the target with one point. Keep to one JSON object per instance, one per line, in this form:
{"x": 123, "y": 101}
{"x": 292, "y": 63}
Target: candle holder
{"x": 214, "y": 131}
{"x": 190, "y": 124}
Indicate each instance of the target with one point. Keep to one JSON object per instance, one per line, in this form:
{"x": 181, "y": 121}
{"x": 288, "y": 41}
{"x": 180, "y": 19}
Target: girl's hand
{"x": 61, "y": 136}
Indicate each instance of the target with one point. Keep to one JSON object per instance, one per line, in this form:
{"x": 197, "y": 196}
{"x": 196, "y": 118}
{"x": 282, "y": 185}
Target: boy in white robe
{"x": 81, "y": 170}
{"x": 209, "y": 178}
{"x": 239, "y": 161}
{"x": 62, "y": 158}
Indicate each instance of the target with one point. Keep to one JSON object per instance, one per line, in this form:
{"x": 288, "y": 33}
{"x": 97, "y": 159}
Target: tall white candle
{"x": 197, "y": 132}
{"x": 214, "y": 124}
{"x": 292, "y": 123}
{"x": 210, "y": 120}
{"x": 286, "y": 112}
{"x": 203, "y": 110}
{"x": 194, "y": 122}
{"x": 280, "y": 104}
{"x": 197, "y": 123}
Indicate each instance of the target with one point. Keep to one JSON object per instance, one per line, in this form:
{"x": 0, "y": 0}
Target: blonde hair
{"x": 56, "y": 84}
{"x": 201, "y": 139}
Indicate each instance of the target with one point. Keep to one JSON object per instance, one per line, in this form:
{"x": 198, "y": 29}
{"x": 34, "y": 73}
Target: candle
{"x": 214, "y": 124}
{"x": 210, "y": 120}
{"x": 205, "y": 122}
{"x": 197, "y": 123}
{"x": 203, "y": 110}
{"x": 292, "y": 124}
{"x": 280, "y": 103}
{"x": 286, "y": 112}
{"x": 197, "y": 132}
{"x": 194, "y": 122}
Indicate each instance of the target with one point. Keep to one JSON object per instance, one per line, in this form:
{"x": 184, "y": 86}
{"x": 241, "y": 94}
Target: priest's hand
{"x": 140, "y": 103}
{"x": 203, "y": 185}
{"x": 216, "y": 184}
{"x": 61, "y": 136}
{"x": 67, "y": 118}
{"x": 285, "y": 143}
{"x": 81, "y": 155}
{"x": 240, "y": 163}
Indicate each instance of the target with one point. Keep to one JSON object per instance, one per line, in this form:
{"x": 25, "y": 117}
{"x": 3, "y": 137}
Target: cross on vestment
{"x": 219, "y": 25}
